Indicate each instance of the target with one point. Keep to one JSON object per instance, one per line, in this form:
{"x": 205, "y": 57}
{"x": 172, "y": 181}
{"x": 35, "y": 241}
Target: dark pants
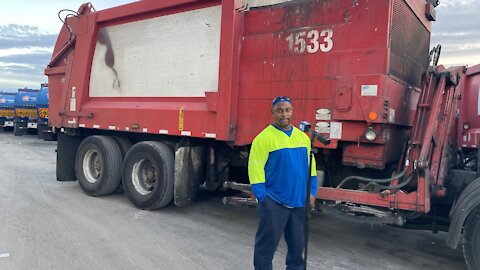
{"x": 275, "y": 219}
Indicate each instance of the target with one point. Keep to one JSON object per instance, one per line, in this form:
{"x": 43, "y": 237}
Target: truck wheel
{"x": 125, "y": 145}
{"x": 98, "y": 165}
{"x": 471, "y": 240}
{"x": 19, "y": 129}
{"x": 148, "y": 173}
{"x": 41, "y": 128}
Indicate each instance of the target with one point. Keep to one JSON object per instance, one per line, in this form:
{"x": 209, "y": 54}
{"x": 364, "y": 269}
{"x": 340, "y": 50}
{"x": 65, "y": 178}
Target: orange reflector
{"x": 373, "y": 116}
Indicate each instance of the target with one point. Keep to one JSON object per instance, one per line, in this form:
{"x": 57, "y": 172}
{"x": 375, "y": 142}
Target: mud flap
{"x": 189, "y": 173}
{"x": 66, "y": 152}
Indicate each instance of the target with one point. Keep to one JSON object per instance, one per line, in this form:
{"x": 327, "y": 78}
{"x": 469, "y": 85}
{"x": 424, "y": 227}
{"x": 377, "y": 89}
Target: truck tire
{"x": 19, "y": 129}
{"x": 98, "y": 165}
{"x": 148, "y": 173}
{"x": 125, "y": 145}
{"x": 41, "y": 129}
{"x": 471, "y": 240}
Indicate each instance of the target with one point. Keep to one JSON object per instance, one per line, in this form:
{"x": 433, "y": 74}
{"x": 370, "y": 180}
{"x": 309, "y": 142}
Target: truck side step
{"x": 361, "y": 214}
{"x": 240, "y": 201}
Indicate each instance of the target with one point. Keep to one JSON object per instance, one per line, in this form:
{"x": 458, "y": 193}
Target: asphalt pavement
{"x": 45, "y": 224}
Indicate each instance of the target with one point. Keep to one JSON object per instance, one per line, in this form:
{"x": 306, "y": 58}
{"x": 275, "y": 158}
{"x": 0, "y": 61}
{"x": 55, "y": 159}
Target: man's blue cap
{"x": 281, "y": 99}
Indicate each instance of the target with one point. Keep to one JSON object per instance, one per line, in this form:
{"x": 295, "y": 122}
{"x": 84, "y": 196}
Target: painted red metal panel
{"x": 318, "y": 76}
{"x": 308, "y": 78}
{"x": 399, "y": 200}
{"x": 470, "y": 109}
{"x": 143, "y": 8}
{"x": 229, "y": 70}
{"x": 256, "y": 62}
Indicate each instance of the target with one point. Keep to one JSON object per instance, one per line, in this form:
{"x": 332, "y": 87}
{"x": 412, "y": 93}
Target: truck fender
{"x": 189, "y": 173}
{"x": 465, "y": 204}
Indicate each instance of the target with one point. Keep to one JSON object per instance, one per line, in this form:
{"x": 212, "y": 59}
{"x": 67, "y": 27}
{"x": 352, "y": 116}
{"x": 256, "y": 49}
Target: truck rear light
{"x": 372, "y": 116}
{"x": 135, "y": 126}
{"x": 466, "y": 126}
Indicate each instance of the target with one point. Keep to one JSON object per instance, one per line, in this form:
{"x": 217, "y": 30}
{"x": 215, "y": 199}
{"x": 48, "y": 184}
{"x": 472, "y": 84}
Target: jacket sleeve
{"x": 260, "y": 191}
{"x": 314, "y": 183}
{"x": 256, "y": 168}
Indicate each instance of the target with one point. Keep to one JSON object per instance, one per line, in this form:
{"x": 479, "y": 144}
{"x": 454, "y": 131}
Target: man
{"x": 277, "y": 168}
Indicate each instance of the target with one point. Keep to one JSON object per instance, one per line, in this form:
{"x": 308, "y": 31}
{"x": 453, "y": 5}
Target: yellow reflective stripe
{"x": 314, "y": 167}
{"x": 7, "y": 113}
{"x": 43, "y": 112}
{"x": 257, "y": 159}
{"x": 26, "y": 113}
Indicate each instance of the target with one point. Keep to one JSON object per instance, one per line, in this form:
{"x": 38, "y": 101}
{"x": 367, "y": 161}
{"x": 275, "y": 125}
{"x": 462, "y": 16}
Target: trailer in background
{"x": 44, "y": 131}
{"x": 7, "y": 112}
{"x": 25, "y": 106}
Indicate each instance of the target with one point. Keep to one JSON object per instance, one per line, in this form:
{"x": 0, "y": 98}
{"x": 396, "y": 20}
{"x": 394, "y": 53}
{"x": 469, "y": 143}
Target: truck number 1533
{"x": 310, "y": 41}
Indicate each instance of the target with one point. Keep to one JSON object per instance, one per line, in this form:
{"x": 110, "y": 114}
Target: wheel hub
{"x": 144, "y": 176}
{"x": 92, "y": 166}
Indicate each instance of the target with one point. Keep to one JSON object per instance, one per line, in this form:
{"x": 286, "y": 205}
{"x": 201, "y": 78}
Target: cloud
{"x": 18, "y": 31}
{"x": 11, "y": 82}
{"x": 31, "y": 59}
{"x": 23, "y": 33}
{"x": 459, "y": 40}
{"x": 446, "y": 4}
{"x": 25, "y": 50}
{"x": 14, "y": 35}
{"x": 456, "y": 29}
{"x": 8, "y": 66}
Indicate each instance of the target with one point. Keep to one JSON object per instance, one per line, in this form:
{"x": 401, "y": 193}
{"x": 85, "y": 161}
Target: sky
{"x": 28, "y": 31}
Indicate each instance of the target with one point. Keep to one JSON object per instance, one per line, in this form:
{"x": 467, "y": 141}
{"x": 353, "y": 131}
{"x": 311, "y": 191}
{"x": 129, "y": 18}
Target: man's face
{"x": 282, "y": 114}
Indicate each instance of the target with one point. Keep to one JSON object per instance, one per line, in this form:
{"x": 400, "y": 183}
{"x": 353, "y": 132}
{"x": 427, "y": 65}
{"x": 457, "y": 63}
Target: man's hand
{"x": 312, "y": 202}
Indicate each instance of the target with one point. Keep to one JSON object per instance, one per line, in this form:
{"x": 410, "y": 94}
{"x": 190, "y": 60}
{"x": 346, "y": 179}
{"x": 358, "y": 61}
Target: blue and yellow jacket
{"x": 277, "y": 166}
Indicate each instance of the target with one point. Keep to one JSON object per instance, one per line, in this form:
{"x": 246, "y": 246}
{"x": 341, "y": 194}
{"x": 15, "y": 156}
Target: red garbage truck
{"x": 160, "y": 97}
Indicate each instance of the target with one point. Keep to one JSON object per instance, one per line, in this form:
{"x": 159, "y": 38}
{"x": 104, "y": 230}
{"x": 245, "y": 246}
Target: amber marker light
{"x": 372, "y": 116}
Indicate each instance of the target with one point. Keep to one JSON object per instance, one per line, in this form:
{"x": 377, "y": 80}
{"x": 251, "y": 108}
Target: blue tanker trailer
{"x": 7, "y": 111}
{"x": 44, "y": 131}
{"x": 25, "y": 105}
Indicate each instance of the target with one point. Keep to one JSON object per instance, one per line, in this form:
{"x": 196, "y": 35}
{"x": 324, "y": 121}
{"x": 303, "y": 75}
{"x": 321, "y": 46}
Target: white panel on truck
{"x": 261, "y": 3}
{"x": 169, "y": 56}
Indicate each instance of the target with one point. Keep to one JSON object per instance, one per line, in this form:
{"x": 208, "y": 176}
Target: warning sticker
{"x": 335, "y": 130}
{"x": 322, "y": 127}
{"x": 323, "y": 114}
{"x": 391, "y": 116}
{"x": 369, "y": 90}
